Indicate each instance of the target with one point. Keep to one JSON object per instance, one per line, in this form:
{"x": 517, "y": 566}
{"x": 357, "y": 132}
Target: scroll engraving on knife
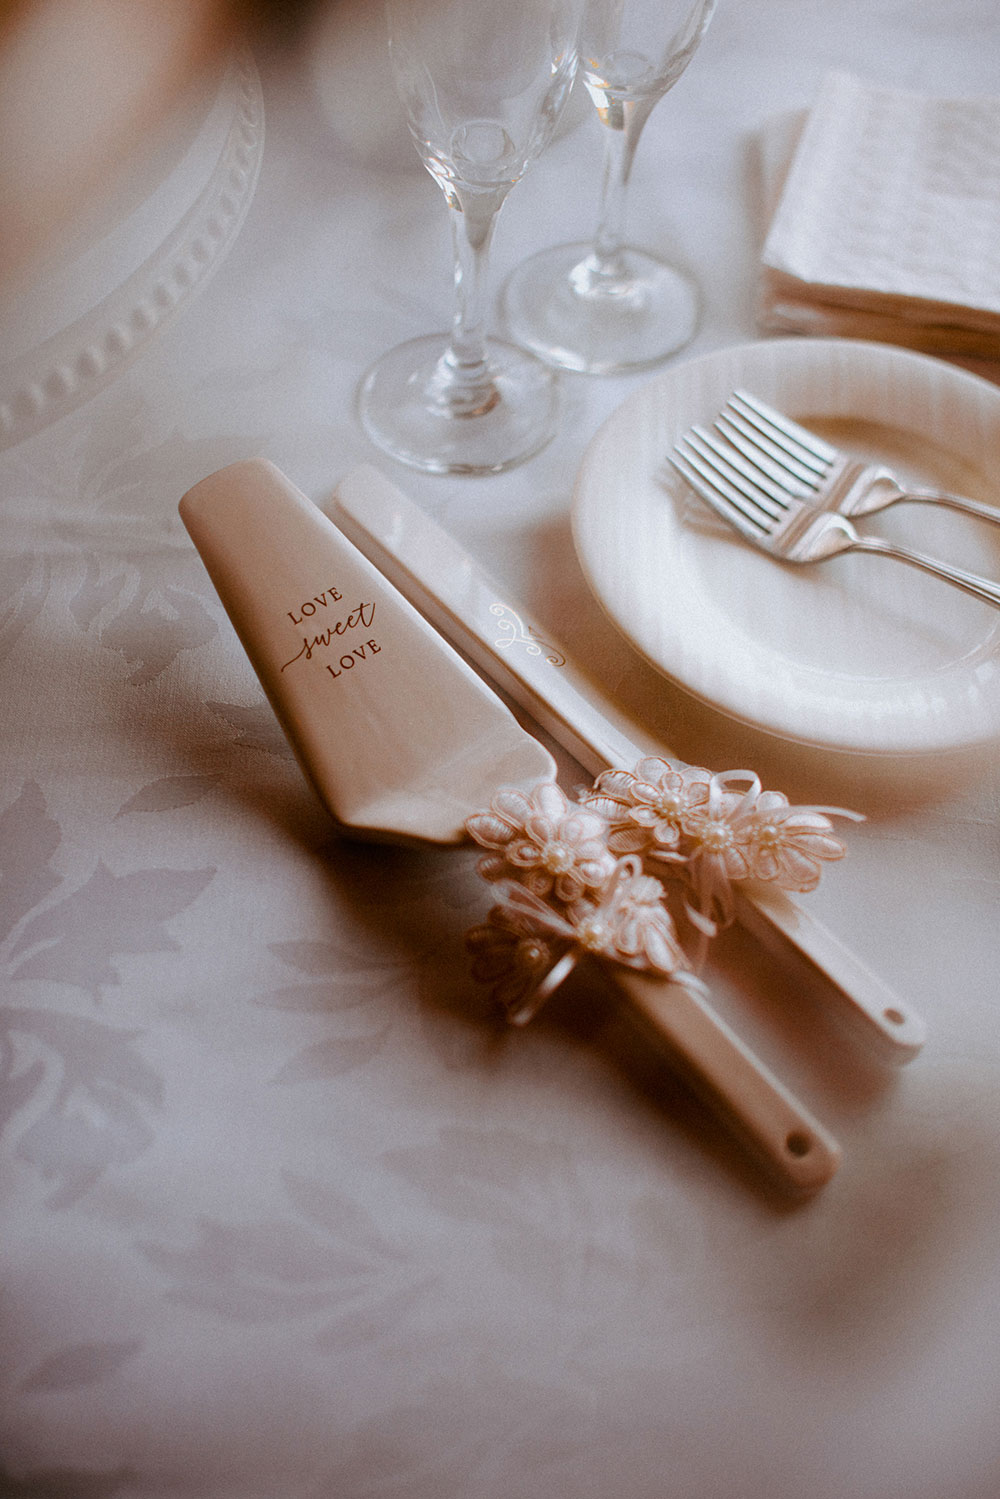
{"x": 513, "y": 631}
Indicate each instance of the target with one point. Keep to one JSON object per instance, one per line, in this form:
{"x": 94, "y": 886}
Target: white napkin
{"x": 886, "y": 219}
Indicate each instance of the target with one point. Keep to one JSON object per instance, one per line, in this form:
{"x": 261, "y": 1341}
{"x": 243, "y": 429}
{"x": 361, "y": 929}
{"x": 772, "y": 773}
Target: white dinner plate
{"x": 860, "y": 653}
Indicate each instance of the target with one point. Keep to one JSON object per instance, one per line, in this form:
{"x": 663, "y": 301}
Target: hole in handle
{"x": 798, "y": 1143}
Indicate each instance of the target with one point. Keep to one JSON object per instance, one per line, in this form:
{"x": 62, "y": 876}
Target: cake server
{"x": 403, "y": 740}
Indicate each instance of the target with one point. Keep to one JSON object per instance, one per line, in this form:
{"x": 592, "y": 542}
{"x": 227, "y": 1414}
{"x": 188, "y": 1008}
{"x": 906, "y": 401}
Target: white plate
{"x": 859, "y": 653}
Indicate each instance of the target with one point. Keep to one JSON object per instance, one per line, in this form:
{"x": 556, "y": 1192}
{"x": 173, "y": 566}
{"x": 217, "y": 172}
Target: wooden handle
{"x": 734, "y": 1082}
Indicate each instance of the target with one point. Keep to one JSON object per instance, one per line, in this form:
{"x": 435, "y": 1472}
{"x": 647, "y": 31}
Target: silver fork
{"x": 770, "y": 517}
{"x": 818, "y": 473}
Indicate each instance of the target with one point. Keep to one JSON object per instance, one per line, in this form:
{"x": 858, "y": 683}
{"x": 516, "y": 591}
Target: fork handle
{"x": 954, "y": 502}
{"x": 979, "y": 588}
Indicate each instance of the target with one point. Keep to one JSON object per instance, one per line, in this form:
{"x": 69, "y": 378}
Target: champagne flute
{"x": 608, "y": 306}
{"x": 482, "y": 84}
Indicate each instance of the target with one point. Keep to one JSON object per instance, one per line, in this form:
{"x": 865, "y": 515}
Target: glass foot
{"x": 560, "y": 305}
{"x": 410, "y": 407}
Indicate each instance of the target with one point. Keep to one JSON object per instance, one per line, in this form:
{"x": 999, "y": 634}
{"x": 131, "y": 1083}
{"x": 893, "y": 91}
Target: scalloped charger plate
{"x": 153, "y": 246}
{"x": 861, "y": 653}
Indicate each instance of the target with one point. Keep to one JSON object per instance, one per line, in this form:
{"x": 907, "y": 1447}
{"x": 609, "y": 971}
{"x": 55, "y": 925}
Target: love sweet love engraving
{"x": 360, "y": 617}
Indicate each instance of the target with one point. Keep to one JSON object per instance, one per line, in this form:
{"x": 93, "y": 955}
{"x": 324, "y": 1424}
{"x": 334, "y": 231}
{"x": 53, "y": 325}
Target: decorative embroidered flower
{"x": 646, "y": 807}
{"x": 630, "y": 923}
{"x": 528, "y": 946}
{"x": 543, "y": 842}
{"x": 786, "y": 845}
{"x": 513, "y": 960}
{"x": 753, "y": 834}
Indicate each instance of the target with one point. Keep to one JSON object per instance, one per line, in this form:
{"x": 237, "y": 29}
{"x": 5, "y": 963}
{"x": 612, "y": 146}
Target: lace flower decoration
{"x": 628, "y": 922}
{"x": 788, "y": 844}
{"x": 714, "y": 850}
{"x": 528, "y": 946}
{"x": 512, "y": 955}
{"x": 646, "y": 807}
{"x": 543, "y": 842}
{"x": 753, "y": 834}
{"x": 574, "y": 874}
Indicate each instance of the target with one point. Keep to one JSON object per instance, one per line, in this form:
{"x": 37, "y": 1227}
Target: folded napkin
{"x": 886, "y": 219}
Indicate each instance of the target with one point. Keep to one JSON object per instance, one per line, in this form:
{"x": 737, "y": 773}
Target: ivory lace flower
{"x": 527, "y": 946}
{"x": 753, "y": 834}
{"x": 787, "y": 844}
{"x": 715, "y": 856}
{"x": 512, "y": 956}
{"x": 543, "y": 842}
{"x": 642, "y": 930}
{"x": 646, "y": 807}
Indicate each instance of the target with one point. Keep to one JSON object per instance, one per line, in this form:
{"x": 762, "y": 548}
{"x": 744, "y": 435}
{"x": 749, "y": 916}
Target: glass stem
{"x": 465, "y": 383}
{"x": 606, "y": 260}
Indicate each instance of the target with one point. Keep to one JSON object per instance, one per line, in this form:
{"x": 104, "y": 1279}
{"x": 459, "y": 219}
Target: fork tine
{"x": 799, "y": 443}
{"x": 726, "y": 502}
{"x": 770, "y": 461}
{"x": 746, "y": 478}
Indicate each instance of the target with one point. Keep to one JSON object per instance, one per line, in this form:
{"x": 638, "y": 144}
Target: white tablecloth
{"x": 286, "y": 1215}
